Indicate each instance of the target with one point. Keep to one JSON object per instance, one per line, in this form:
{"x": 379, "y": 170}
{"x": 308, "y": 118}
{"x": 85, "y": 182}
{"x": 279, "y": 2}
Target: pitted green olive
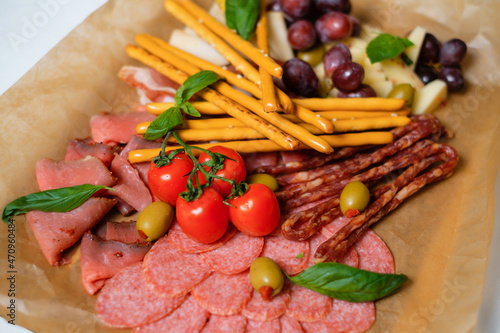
{"x": 403, "y": 91}
{"x": 313, "y": 56}
{"x": 266, "y": 277}
{"x": 355, "y": 195}
{"x": 263, "y": 178}
{"x": 154, "y": 221}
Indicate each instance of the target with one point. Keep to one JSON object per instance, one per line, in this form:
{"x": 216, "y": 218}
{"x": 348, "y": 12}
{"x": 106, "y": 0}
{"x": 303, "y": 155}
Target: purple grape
{"x": 326, "y": 6}
{"x": 348, "y": 76}
{"x": 295, "y": 9}
{"x": 429, "y": 52}
{"x": 364, "y": 90}
{"x": 452, "y": 52}
{"x": 333, "y": 26}
{"x": 426, "y": 73}
{"x": 301, "y": 35}
{"x": 300, "y": 78}
{"x": 356, "y": 27}
{"x": 334, "y": 57}
{"x": 453, "y": 78}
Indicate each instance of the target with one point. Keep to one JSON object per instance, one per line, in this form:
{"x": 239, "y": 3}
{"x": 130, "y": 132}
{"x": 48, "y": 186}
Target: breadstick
{"x": 354, "y": 104}
{"x": 339, "y": 115}
{"x": 205, "y": 108}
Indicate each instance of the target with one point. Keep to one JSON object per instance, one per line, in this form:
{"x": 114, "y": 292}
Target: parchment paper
{"x": 439, "y": 237}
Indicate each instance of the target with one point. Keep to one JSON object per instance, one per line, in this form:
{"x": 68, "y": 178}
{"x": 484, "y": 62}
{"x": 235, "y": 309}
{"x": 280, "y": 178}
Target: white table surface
{"x": 55, "y": 21}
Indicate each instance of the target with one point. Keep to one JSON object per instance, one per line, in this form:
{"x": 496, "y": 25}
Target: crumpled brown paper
{"x": 439, "y": 237}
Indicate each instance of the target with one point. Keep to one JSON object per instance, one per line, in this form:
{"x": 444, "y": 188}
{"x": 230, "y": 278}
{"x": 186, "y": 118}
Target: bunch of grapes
{"x": 442, "y": 62}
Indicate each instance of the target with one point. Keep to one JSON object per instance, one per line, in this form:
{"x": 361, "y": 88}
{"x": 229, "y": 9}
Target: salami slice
{"x": 290, "y": 325}
{"x": 224, "y": 294}
{"x": 189, "y": 317}
{"x": 169, "y": 271}
{"x": 374, "y": 255}
{"x": 350, "y": 317}
{"x": 331, "y": 228}
{"x": 226, "y": 324}
{"x": 256, "y": 326}
{"x": 316, "y": 327}
{"x": 308, "y": 305}
{"x": 236, "y": 255}
{"x": 291, "y": 256}
{"x": 259, "y": 309}
{"x": 188, "y": 245}
{"x": 351, "y": 258}
{"x": 126, "y": 301}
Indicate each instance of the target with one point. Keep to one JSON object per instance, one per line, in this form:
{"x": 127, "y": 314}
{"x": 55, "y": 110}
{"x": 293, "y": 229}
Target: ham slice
{"x": 52, "y": 174}
{"x": 57, "y": 232}
{"x": 140, "y": 143}
{"x": 151, "y": 85}
{"x": 80, "y": 148}
{"x": 112, "y": 129}
{"x": 102, "y": 259}
{"x": 129, "y": 186}
{"x": 124, "y": 232}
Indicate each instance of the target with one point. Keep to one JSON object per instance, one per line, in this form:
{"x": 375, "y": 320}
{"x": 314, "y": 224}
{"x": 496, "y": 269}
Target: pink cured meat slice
{"x": 224, "y": 294}
{"x": 350, "y": 317}
{"x": 316, "y": 327}
{"x": 291, "y": 256}
{"x": 236, "y": 255}
{"x": 290, "y": 325}
{"x": 140, "y": 143}
{"x": 272, "y": 326}
{"x": 189, "y": 317}
{"x": 226, "y": 324}
{"x": 78, "y": 149}
{"x": 172, "y": 272}
{"x": 308, "y": 305}
{"x": 256, "y": 160}
{"x": 374, "y": 255}
{"x": 125, "y": 232}
{"x": 188, "y": 245}
{"x": 126, "y": 301}
{"x": 350, "y": 259}
{"x": 259, "y": 309}
{"x": 154, "y": 87}
{"x": 112, "y": 129}
{"x": 331, "y": 228}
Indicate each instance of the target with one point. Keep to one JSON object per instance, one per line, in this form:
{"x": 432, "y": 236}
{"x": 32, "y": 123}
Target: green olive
{"x": 355, "y": 195}
{"x": 264, "y": 272}
{"x": 313, "y": 56}
{"x": 154, "y": 221}
{"x": 263, "y": 178}
{"x": 404, "y": 91}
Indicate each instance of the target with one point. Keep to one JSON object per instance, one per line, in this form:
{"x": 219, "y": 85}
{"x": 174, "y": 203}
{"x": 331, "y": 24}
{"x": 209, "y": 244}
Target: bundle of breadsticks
{"x": 259, "y": 116}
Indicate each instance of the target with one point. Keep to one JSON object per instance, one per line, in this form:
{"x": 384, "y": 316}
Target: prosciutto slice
{"x": 102, "y": 259}
{"x": 113, "y": 129}
{"x": 80, "y": 148}
{"x": 56, "y": 232}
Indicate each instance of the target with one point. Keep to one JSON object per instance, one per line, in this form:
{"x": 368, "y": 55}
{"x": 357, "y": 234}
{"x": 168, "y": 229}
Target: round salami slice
{"x": 291, "y": 256}
{"x": 308, "y": 305}
{"x": 188, "y": 245}
{"x": 224, "y": 294}
{"x": 226, "y": 324}
{"x": 236, "y": 255}
{"x": 169, "y": 271}
{"x": 257, "y": 326}
{"x": 126, "y": 301}
{"x": 331, "y": 228}
{"x": 350, "y": 317}
{"x": 374, "y": 255}
{"x": 351, "y": 258}
{"x": 259, "y": 309}
{"x": 316, "y": 327}
{"x": 290, "y": 325}
{"x": 189, "y": 317}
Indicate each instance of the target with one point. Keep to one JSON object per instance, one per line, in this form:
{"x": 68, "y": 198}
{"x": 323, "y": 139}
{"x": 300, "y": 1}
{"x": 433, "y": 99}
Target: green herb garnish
{"x": 387, "y": 46}
{"x": 57, "y": 200}
{"x": 347, "y": 283}
{"x": 242, "y": 16}
{"x": 300, "y": 256}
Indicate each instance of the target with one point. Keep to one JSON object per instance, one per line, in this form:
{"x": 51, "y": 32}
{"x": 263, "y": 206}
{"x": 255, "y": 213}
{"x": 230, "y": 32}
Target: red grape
{"x": 336, "y": 56}
{"x": 333, "y": 26}
{"x": 364, "y": 90}
{"x": 356, "y": 26}
{"x": 426, "y": 73}
{"x": 348, "y": 76}
{"x": 453, "y": 78}
{"x": 295, "y": 9}
{"x": 452, "y": 52}
{"x": 301, "y": 35}
{"x": 343, "y": 6}
{"x": 429, "y": 52}
{"x": 300, "y": 78}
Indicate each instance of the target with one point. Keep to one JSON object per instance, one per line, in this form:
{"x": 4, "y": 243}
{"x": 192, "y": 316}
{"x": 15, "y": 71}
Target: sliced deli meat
{"x": 113, "y": 129}
{"x": 125, "y": 232}
{"x": 225, "y": 324}
{"x": 52, "y": 174}
{"x": 103, "y": 259}
{"x": 374, "y": 255}
{"x": 152, "y": 86}
{"x": 80, "y": 148}
{"x": 350, "y": 317}
{"x": 291, "y": 256}
{"x": 290, "y": 325}
{"x": 265, "y": 310}
{"x": 188, "y": 245}
{"x": 139, "y": 143}
{"x": 126, "y": 301}
{"x": 308, "y": 305}
{"x": 56, "y": 232}
{"x": 272, "y": 326}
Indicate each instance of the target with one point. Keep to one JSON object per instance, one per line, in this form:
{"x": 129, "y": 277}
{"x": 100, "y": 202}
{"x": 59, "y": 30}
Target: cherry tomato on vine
{"x": 168, "y": 181}
{"x": 204, "y": 219}
{"x": 256, "y": 212}
{"x": 232, "y": 168}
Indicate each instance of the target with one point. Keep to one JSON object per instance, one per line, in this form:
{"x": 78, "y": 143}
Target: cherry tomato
{"x": 168, "y": 181}
{"x": 204, "y": 219}
{"x": 232, "y": 168}
{"x": 255, "y": 213}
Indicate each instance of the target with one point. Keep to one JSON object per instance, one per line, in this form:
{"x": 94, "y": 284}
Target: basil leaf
{"x": 193, "y": 84}
{"x": 242, "y": 16}
{"x": 386, "y": 46}
{"x": 56, "y": 200}
{"x": 189, "y": 109}
{"x": 165, "y": 122}
{"x": 347, "y": 283}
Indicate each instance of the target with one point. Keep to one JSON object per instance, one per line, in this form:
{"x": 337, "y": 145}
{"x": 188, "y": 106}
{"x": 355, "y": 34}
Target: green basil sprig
{"x": 57, "y": 200}
{"x": 387, "y": 46}
{"x": 242, "y": 16}
{"x": 173, "y": 116}
{"x": 348, "y": 283}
